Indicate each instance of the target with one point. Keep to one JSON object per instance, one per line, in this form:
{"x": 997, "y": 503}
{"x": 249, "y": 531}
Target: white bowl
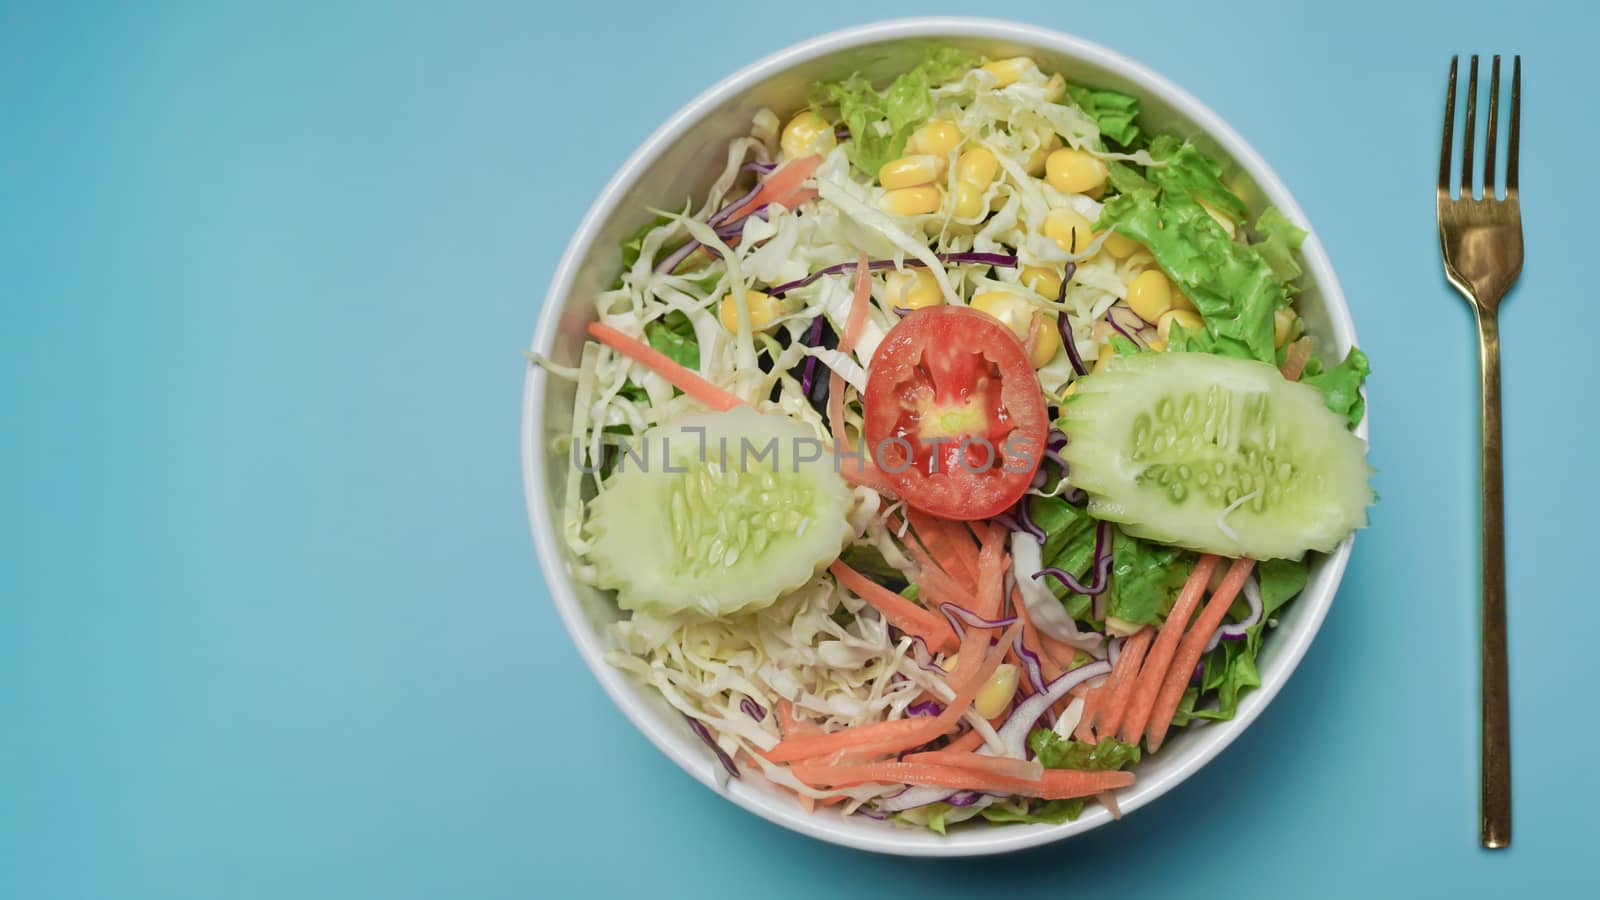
{"x": 681, "y": 158}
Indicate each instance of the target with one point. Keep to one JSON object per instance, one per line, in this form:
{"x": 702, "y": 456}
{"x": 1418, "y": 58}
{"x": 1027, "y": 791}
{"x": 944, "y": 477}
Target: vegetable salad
{"x": 959, "y": 443}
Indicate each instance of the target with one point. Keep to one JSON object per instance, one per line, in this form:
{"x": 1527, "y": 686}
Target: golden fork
{"x": 1482, "y": 245}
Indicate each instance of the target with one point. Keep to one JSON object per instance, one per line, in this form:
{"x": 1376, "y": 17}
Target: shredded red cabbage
{"x": 958, "y": 614}
{"x": 1101, "y": 566}
{"x": 753, "y": 709}
{"x": 704, "y": 733}
{"x": 810, "y": 339}
{"x": 1030, "y": 662}
{"x": 925, "y": 708}
{"x": 1002, "y": 260}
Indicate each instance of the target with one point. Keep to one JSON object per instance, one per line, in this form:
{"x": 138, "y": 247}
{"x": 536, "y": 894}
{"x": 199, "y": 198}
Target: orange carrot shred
{"x": 1295, "y": 359}
{"x": 1194, "y": 644}
{"x": 859, "y": 302}
{"x": 1055, "y": 784}
{"x": 1159, "y": 660}
{"x": 659, "y": 363}
{"x": 782, "y": 186}
{"x": 910, "y": 618}
{"x": 1003, "y": 766}
{"x": 1124, "y": 677}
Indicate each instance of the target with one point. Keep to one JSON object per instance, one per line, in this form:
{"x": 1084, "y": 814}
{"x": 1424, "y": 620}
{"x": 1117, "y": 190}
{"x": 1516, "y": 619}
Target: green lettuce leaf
{"x": 1280, "y": 238}
{"x": 880, "y": 122}
{"x": 1281, "y": 580}
{"x": 1341, "y": 385}
{"x": 1235, "y": 288}
{"x": 673, "y": 335}
{"x": 1069, "y": 546}
{"x": 1114, "y": 113}
{"x": 1145, "y": 578}
{"x": 1057, "y": 752}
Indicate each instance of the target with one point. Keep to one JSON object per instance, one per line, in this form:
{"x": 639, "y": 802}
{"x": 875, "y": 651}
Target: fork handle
{"x": 1495, "y": 798}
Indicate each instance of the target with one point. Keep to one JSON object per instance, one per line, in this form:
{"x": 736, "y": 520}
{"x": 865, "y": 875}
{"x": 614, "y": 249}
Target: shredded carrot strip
{"x": 1159, "y": 659}
{"x": 782, "y": 186}
{"x": 658, "y": 362}
{"x": 1055, "y": 784}
{"x": 970, "y": 740}
{"x": 900, "y": 612}
{"x": 1124, "y": 677}
{"x": 1194, "y": 644}
{"x": 1294, "y": 361}
{"x": 992, "y": 562}
{"x": 950, "y": 545}
{"x": 1003, "y": 766}
{"x": 934, "y": 583}
{"x": 888, "y": 738}
{"x": 1091, "y": 707}
{"x": 847, "y": 344}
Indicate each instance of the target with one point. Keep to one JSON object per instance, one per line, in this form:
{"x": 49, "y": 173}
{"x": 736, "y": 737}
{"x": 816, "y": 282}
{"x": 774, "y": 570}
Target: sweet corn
{"x": 912, "y": 201}
{"x": 912, "y": 288}
{"x": 950, "y": 662}
{"x": 1189, "y": 321}
{"x": 996, "y": 693}
{"x": 1042, "y": 280}
{"x": 1009, "y": 71}
{"x": 937, "y": 137}
{"x": 1036, "y": 330}
{"x": 911, "y": 171}
{"x": 977, "y": 166}
{"x": 1103, "y": 360}
{"x": 1074, "y": 171}
{"x": 1150, "y": 295}
{"x": 1158, "y": 345}
{"x": 969, "y": 200}
{"x": 1284, "y": 324}
{"x": 764, "y": 311}
{"x": 1055, "y": 88}
{"x": 1120, "y": 246}
{"x": 806, "y": 133}
{"x": 1035, "y": 166}
{"x": 1180, "y": 300}
{"x": 1217, "y": 216}
{"x": 1069, "y": 229}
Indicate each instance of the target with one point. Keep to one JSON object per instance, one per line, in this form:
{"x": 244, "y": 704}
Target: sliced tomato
{"x": 954, "y": 415}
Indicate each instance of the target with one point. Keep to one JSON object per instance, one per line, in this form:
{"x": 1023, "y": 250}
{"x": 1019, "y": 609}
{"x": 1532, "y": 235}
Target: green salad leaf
{"x": 1116, "y": 114}
{"x": 1145, "y": 578}
{"x": 1341, "y": 385}
{"x": 1280, "y": 239}
{"x": 673, "y": 334}
{"x": 1069, "y": 546}
{"x": 1233, "y": 285}
{"x": 880, "y": 122}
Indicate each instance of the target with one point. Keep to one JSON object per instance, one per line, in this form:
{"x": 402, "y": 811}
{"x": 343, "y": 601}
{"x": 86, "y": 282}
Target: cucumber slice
{"x": 714, "y": 514}
{"x": 1216, "y": 454}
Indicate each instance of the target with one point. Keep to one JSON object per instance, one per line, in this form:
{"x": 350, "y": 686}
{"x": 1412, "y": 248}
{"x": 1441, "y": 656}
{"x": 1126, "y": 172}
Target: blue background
{"x": 270, "y": 620}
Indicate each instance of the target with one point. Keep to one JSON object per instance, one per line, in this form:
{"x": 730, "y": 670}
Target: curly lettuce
{"x": 880, "y": 122}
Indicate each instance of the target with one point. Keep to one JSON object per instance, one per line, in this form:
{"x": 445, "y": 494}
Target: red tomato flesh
{"x": 954, "y": 416}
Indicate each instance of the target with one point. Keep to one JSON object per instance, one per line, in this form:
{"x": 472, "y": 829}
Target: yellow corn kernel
{"x": 937, "y": 137}
{"x": 1009, "y": 71}
{"x": 806, "y": 133}
{"x": 951, "y": 661}
{"x": 912, "y": 201}
{"x": 1074, "y": 171}
{"x": 1035, "y": 166}
{"x": 1055, "y": 88}
{"x": 764, "y": 310}
{"x": 1150, "y": 295}
{"x": 911, "y": 171}
{"x": 1218, "y": 217}
{"x": 1103, "y": 360}
{"x": 1158, "y": 345}
{"x": 1120, "y": 246}
{"x": 1045, "y": 342}
{"x": 977, "y": 166}
{"x": 912, "y": 288}
{"x": 1188, "y": 321}
{"x": 996, "y": 693}
{"x": 1042, "y": 280}
{"x": 1036, "y": 331}
{"x": 1180, "y": 300}
{"x": 1285, "y": 325}
{"x": 969, "y": 200}
{"x": 1071, "y": 389}
{"x": 1069, "y": 229}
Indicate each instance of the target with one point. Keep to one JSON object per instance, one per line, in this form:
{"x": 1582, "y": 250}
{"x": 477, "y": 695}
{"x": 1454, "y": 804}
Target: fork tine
{"x": 1488, "y": 143}
{"x": 1449, "y": 130}
{"x": 1516, "y": 117}
{"x": 1472, "y": 117}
